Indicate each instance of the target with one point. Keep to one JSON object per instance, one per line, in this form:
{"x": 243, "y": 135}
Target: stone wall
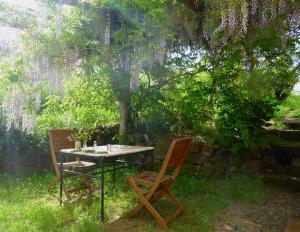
{"x": 197, "y": 156}
{"x": 23, "y": 155}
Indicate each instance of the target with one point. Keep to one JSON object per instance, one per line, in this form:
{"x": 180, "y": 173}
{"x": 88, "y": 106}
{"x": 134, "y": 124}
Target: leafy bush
{"x": 190, "y": 100}
{"x": 86, "y": 103}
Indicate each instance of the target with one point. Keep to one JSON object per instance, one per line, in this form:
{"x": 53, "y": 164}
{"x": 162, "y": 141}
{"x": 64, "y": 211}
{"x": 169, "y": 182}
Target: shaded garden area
{"x": 143, "y": 73}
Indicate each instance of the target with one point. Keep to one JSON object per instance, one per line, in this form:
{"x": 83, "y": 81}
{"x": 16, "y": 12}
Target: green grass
{"x": 290, "y": 108}
{"x": 26, "y": 205}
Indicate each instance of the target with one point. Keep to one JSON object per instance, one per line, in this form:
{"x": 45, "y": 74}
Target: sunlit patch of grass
{"x": 290, "y": 108}
{"x": 26, "y": 205}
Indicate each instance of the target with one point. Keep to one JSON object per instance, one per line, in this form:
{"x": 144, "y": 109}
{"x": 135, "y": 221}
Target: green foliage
{"x": 181, "y": 106}
{"x": 10, "y": 74}
{"x": 222, "y": 93}
{"x": 128, "y": 139}
{"x": 189, "y": 99}
{"x": 86, "y": 104}
{"x": 288, "y": 109}
{"x": 150, "y": 115}
{"x": 243, "y": 106}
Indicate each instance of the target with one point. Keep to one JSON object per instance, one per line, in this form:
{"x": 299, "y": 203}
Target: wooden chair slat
{"x": 159, "y": 184}
{"x": 62, "y": 139}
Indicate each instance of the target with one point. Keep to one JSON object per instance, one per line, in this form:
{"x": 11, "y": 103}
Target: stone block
{"x": 253, "y": 166}
{"x": 161, "y": 147}
{"x": 196, "y": 158}
{"x": 207, "y": 149}
{"x": 195, "y": 148}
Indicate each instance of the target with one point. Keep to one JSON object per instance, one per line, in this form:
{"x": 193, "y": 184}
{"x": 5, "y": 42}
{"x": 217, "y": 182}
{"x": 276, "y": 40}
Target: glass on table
{"x": 108, "y": 148}
{"x": 95, "y": 146}
{"x": 84, "y": 146}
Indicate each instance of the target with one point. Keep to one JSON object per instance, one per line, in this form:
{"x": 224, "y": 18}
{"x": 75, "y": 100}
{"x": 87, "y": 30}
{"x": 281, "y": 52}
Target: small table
{"x": 107, "y": 162}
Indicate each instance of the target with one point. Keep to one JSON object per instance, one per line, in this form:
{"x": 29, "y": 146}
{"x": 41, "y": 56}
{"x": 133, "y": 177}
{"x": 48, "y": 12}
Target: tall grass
{"x": 290, "y": 108}
{"x": 26, "y": 205}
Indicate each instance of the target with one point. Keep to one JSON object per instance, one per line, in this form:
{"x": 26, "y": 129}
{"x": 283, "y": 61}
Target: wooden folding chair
{"x": 158, "y": 184}
{"x": 61, "y": 139}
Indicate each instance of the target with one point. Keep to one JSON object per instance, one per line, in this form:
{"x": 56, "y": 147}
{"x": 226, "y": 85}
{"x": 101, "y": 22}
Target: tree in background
{"x": 226, "y": 63}
{"x": 252, "y": 55}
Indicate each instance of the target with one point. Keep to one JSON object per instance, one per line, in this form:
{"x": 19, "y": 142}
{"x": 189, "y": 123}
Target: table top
{"x": 116, "y": 150}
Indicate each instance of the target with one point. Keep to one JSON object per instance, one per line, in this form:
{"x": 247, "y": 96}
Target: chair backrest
{"x": 176, "y": 155}
{"x": 59, "y": 139}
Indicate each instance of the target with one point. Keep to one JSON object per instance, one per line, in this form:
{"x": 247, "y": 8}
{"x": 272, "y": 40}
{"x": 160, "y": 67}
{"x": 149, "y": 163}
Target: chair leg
{"x": 153, "y": 211}
{"x": 173, "y": 216}
{"x": 139, "y": 206}
{"x": 87, "y": 183}
{"x": 146, "y": 203}
{"x": 135, "y": 210}
{"x": 175, "y": 201}
{"x": 66, "y": 192}
{"x": 54, "y": 182}
{"x": 180, "y": 210}
{"x": 157, "y": 196}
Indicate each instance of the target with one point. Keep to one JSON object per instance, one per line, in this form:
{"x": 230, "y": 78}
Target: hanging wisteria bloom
{"x": 244, "y": 17}
{"x": 160, "y": 51}
{"x": 10, "y": 40}
{"x": 144, "y": 57}
{"x": 136, "y": 70}
{"x": 107, "y": 31}
{"x": 22, "y": 101}
{"x": 237, "y": 16}
{"x": 20, "y": 108}
{"x": 28, "y": 122}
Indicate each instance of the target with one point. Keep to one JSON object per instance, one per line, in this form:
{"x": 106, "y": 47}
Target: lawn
{"x": 26, "y": 204}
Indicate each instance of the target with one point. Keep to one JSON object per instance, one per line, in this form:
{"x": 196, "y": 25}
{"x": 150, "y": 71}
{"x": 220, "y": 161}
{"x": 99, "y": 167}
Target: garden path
{"x": 279, "y": 209}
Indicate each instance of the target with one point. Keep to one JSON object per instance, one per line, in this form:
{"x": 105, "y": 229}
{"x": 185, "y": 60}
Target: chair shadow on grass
{"x": 125, "y": 224}
{"x": 143, "y": 221}
{"x": 76, "y": 197}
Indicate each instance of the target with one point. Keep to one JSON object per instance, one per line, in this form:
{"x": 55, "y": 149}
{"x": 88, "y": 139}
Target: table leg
{"x": 114, "y": 173}
{"x": 151, "y": 161}
{"x": 61, "y": 178}
{"x": 102, "y": 191}
{"x": 143, "y": 165}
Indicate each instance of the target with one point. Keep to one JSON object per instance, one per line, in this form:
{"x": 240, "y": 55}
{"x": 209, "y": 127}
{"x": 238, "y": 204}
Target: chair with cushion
{"x": 61, "y": 139}
{"x": 158, "y": 184}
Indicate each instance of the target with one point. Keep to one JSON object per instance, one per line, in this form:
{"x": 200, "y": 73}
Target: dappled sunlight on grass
{"x": 26, "y": 205}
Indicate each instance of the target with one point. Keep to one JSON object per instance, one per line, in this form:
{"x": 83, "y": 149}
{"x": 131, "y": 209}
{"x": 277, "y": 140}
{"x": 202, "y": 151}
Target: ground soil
{"x": 281, "y": 206}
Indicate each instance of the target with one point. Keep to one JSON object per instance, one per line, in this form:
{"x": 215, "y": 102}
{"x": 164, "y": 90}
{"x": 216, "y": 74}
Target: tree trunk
{"x": 124, "y": 116}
